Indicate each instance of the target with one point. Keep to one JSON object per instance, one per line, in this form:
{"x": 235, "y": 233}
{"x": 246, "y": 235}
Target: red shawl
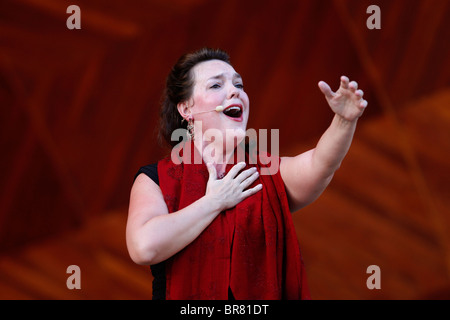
{"x": 251, "y": 248}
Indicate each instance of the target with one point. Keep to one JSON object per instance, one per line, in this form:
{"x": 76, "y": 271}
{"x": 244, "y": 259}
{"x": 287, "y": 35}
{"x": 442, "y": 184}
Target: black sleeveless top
{"x": 158, "y": 270}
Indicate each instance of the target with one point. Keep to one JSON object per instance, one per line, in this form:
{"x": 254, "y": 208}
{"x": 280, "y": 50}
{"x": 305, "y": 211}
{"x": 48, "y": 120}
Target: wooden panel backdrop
{"x": 79, "y": 110}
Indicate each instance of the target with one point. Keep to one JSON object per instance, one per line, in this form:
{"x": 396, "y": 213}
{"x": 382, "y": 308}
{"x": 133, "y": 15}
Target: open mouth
{"x": 234, "y": 111}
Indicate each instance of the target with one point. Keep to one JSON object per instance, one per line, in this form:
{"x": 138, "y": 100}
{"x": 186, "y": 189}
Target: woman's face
{"x": 216, "y": 83}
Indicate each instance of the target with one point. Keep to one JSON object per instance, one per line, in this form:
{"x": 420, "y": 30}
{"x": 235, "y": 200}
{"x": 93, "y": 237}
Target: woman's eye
{"x": 217, "y": 86}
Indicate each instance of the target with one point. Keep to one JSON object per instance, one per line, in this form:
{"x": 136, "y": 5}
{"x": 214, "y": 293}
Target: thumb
{"x": 212, "y": 171}
{"x": 326, "y": 90}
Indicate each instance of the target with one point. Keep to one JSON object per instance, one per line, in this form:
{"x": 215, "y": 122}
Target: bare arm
{"x": 307, "y": 175}
{"x": 153, "y": 235}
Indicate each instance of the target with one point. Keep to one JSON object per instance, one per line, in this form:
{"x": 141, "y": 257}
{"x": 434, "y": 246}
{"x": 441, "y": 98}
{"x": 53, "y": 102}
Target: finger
{"x": 248, "y": 182}
{"x": 212, "y": 171}
{"x": 245, "y": 174}
{"x": 235, "y": 170}
{"x": 344, "y": 82}
{"x": 359, "y": 94}
{"x": 363, "y": 104}
{"x": 353, "y": 86}
{"x": 326, "y": 90}
{"x": 251, "y": 191}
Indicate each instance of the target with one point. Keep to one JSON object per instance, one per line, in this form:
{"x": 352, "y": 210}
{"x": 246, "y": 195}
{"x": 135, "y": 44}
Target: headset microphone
{"x": 217, "y": 109}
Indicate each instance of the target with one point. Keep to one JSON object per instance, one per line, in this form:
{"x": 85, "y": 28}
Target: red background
{"x": 79, "y": 111}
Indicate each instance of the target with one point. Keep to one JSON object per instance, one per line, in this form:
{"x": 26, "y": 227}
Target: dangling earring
{"x": 190, "y": 129}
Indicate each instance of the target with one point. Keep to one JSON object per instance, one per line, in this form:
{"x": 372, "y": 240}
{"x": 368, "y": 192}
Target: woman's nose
{"x": 233, "y": 92}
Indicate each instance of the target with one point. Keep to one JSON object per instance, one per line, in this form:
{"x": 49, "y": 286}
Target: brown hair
{"x": 179, "y": 86}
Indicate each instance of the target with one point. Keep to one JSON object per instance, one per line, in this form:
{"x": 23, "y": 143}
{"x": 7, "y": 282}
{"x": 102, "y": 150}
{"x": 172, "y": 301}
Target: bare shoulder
{"x": 146, "y": 198}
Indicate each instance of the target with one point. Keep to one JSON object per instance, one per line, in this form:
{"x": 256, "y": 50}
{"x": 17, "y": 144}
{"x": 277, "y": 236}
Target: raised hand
{"x": 347, "y": 101}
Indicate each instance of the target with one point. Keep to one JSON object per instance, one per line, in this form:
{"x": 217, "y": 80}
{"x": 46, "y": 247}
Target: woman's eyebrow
{"x": 222, "y": 75}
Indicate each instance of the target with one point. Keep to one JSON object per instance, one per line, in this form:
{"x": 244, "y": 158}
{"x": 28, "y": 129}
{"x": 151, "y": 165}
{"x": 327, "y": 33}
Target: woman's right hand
{"x": 154, "y": 235}
{"x": 233, "y": 188}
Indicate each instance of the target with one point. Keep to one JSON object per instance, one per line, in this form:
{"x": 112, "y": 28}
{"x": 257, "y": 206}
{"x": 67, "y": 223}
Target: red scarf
{"x": 251, "y": 248}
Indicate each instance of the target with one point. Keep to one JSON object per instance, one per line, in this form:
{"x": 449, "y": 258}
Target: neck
{"x": 216, "y": 152}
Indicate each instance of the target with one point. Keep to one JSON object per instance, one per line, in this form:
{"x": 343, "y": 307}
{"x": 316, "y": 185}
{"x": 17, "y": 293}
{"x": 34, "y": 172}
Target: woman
{"x": 215, "y": 229}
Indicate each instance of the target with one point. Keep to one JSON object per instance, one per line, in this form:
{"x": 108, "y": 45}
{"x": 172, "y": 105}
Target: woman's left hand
{"x": 347, "y": 101}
